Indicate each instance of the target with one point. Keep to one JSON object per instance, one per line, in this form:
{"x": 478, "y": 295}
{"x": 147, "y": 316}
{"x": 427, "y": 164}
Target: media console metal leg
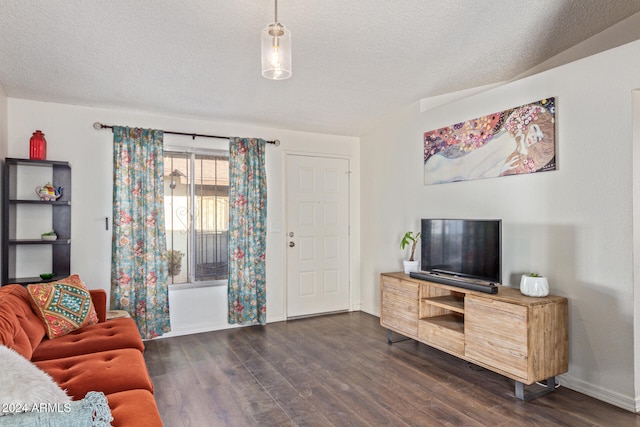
{"x": 390, "y": 337}
{"x": 520, "y": 392}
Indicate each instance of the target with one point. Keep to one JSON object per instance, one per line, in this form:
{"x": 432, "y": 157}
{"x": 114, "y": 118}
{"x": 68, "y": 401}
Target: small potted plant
{"x": 50, "y": 235}
{"x": 534, "y": 285}
{"x": 412, "y": 239}
{"x": 175, "y": 262}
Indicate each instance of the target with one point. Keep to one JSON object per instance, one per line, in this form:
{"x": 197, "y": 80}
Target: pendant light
{"x": 276, "y": 50}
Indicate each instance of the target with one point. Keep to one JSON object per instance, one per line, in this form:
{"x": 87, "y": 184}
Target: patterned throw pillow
{"x": 63, "y": 306}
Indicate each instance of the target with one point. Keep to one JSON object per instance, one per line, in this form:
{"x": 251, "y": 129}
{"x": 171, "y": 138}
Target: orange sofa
{"x": 106, "y": 356}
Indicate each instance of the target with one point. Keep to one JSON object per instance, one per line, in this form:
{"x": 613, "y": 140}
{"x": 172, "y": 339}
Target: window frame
{"x": 193, "y": 152}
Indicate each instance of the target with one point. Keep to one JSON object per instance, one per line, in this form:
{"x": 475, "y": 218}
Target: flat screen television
{"x": 465, "y": 248}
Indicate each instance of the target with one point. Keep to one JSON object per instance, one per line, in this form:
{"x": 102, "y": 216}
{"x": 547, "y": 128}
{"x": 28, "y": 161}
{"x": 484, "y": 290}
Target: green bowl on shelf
{"x": 47, "y": 276}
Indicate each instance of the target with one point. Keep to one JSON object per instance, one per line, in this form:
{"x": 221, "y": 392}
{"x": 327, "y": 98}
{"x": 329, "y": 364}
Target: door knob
{"x": 291, "y": 244}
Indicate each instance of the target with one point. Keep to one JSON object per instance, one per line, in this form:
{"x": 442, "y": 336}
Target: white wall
{"x": 3, "y": 123}
{"x": 636, "y": 240}
{"x": 573, "y": 225}
{"x": 71, "y": 137}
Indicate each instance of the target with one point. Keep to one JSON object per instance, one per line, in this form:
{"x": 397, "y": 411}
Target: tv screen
{"x": 462, "y": 247}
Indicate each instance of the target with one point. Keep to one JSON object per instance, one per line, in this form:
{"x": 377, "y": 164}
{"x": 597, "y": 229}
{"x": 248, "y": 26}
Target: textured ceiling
{"x": 354, "y": 62}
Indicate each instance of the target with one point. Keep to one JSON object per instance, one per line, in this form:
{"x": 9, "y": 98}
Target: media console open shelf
{"x": 520, "y": 337}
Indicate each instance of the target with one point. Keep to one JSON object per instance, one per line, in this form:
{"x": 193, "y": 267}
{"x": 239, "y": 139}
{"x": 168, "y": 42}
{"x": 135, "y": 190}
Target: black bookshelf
{"x": 60, "y": 219}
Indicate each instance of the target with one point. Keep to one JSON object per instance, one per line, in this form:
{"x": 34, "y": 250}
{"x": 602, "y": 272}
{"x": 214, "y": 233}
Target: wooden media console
{"x": 520, "y": 337}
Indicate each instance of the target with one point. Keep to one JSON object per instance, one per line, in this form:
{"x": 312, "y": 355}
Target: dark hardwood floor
{"x": 339, "y": 370}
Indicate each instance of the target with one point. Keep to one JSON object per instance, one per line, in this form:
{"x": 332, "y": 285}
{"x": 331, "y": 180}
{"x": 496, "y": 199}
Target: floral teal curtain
{"x": 247, "y": 232}
{"x": 139, "y": 281}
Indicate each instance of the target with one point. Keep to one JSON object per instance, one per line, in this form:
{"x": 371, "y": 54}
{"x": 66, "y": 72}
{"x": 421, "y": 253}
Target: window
{"x": 196, "y": 198}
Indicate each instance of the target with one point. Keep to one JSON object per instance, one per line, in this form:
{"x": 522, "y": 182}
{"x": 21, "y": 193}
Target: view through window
{"x": 196, "y": 198}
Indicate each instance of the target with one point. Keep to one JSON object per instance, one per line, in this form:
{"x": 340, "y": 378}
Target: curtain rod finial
{"x": 277, "y": 142}
{"x": 97, "y": 125}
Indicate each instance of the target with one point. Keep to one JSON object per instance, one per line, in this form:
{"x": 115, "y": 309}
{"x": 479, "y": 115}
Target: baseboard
{"x": 211, "y": 328}
{"x": 371, "y": 312}
{"x": 190, "y": 331}
{"x": 276, "y": 318}
{"x": 616, "y": 399}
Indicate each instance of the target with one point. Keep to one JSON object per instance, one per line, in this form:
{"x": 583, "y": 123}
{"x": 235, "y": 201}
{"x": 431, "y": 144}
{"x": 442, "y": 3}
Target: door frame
{"x": 287, "y": 156}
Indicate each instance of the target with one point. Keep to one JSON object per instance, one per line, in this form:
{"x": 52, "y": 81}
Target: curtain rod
{"x": 98, "y": 126}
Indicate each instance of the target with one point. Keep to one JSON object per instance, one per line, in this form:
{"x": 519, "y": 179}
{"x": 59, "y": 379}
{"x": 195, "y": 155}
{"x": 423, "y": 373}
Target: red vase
{"x": 38, "y": 146}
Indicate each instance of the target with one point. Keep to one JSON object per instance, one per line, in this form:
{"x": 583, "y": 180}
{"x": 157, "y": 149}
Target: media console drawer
{"x": 445, "y": 332}
{"x": 400, "y": 315}
{"x": 497, "y": 335}
{"x": 399, "y": 306}
{"x": 392, "y": 286}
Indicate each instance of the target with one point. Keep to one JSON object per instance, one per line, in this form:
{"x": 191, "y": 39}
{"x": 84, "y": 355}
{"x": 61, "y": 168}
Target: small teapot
{"x": 49, "y": 193}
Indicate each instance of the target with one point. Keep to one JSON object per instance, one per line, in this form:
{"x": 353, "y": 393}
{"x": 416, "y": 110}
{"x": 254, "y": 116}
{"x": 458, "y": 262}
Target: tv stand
{"x": 520, "y": 337}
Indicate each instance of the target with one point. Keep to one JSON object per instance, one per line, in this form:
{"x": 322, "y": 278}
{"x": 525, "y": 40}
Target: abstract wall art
{"x": 519, "y": 140}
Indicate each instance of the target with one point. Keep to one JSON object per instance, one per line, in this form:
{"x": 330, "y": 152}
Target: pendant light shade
{"x": 276, "y": 50}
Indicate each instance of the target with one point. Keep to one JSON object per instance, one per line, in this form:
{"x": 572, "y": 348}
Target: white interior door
{"x": 317, "y": 235}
